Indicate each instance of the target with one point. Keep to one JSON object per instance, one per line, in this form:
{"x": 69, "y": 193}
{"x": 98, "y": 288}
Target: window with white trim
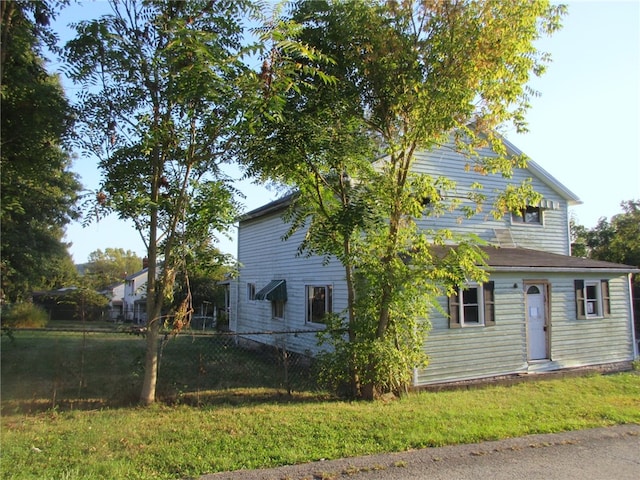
{"x": 592, "y": 299}
{"x": 251, "y": 291}
{"x": 319, "y": 302}
{"x": 472, "y": 305}
{"x": 530, "y": 215}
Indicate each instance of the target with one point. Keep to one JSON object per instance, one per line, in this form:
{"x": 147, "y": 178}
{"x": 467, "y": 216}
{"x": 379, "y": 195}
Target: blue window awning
{"x": 275, "y": 290}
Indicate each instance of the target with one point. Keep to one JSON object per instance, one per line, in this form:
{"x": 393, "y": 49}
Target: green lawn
{"x": 70, "y": 370}
{"x": 256, "y": 427}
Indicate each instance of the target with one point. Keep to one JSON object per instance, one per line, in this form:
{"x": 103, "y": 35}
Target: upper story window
{"x": 319, "y": 299}
{"x": 592, "y": 299}
{"x": 472, "y": 305}
{"x": 529, "y": 215}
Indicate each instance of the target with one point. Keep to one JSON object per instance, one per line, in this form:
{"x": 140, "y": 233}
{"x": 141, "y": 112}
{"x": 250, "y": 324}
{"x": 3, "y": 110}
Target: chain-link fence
{"x": 46, "y": 368}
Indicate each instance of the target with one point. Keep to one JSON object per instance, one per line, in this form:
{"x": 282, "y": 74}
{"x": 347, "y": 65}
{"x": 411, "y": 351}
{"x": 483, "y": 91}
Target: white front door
{"x": 536, "y": 322}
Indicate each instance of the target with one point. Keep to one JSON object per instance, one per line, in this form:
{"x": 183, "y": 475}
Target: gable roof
{"x": 535, "y": 169}
{"x": 271, "y": 207}
{"x": 137, "y": 274}
{"x": 544, "y": 176}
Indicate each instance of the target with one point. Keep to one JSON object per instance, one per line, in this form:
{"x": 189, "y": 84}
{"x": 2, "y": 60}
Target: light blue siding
{"x": 598, "y": 340}
{"x": 478, "y": 352}
{"x": 552, "y": 236}
{"x": 265, "y": 256}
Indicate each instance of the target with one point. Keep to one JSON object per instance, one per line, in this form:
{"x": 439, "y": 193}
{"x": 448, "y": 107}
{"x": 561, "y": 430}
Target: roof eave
{"x": 571, "y": 198}
{"x": 270, "y": 208}
{"x": 619, "y": 271}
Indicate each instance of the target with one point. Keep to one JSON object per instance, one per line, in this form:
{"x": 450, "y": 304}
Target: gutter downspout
{"x": 635, "y": 345}
{"x": 236, "y": 311}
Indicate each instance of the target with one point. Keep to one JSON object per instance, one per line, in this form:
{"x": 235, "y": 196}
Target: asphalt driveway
{"x": 597, "y": 454}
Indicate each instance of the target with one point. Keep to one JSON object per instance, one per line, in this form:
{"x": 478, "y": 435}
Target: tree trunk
{"x": 402, "y": 167}
{"x": 148, "y": 394}
{"x": 370, "y": 391}
{"x": 154, "y": 301}
{"x": 387, "y": 284}
{"x": 7, "y": 10}
{"x": 353, "y": 368}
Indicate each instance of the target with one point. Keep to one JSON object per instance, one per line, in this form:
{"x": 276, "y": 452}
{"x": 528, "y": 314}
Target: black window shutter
{"x": 606, "y": 299}
{"x": 489, "y": 304}
{"x": 579, "y": 288}
{"x": 454, "y": 310}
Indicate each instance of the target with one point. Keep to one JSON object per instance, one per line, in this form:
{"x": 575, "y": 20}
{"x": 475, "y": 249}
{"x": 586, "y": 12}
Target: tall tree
{"x": 410, "y": 76}
{"x": 160, "y": 103}
{"x": 110, "y": 266}
{"x": 39, "y": 191}
{"x": 615, "y": 240}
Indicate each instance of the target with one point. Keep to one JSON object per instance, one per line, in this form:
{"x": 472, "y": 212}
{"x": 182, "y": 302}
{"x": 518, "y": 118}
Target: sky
{"x": 584, "y": 128}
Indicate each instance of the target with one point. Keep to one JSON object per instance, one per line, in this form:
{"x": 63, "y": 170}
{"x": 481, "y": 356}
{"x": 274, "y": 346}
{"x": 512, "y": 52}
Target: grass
{"x": 65, "y": 370}
{"x": 248, "y": 427}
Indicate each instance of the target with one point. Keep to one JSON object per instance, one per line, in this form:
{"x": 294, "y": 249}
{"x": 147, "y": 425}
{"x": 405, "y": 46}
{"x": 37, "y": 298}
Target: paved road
{"x": 598, "y": 454}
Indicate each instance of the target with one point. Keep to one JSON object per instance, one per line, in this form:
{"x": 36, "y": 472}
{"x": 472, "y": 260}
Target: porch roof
{"x": 501, "y": 258}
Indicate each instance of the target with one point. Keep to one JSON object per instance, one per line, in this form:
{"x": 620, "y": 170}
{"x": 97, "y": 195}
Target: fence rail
{"x": 71, "y": 367}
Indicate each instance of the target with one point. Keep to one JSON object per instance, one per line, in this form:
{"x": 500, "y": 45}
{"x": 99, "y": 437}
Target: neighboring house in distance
{"x": 541, "y": 310}
{"x": 134, "y": 299}
{"x": 115, "y": 294}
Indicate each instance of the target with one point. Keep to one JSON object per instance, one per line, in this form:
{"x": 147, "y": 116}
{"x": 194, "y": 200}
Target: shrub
{"x": 24, "y": 315}
{"x": 382, "y": 365}
{"x": 85, "y": 304}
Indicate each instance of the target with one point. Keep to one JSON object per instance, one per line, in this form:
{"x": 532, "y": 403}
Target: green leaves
{"x": 514, "y": 198}
{"x": 160, "y": 105}
{"x": 111, "y": 266}
{"x": 38, "y": 188}
{"x": 615, "y": 240}
{"x": 161, "y": 108}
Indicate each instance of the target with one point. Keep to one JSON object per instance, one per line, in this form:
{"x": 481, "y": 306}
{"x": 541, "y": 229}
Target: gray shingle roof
{"x": 526, "y": 259}
{"x": 269, "y": 208}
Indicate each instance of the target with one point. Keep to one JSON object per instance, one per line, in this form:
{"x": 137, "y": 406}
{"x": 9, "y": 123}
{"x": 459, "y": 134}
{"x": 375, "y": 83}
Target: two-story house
{"x": 541, "y": 310}
{"x": 134, "y": 305}
{"x": 115, "y": 294}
